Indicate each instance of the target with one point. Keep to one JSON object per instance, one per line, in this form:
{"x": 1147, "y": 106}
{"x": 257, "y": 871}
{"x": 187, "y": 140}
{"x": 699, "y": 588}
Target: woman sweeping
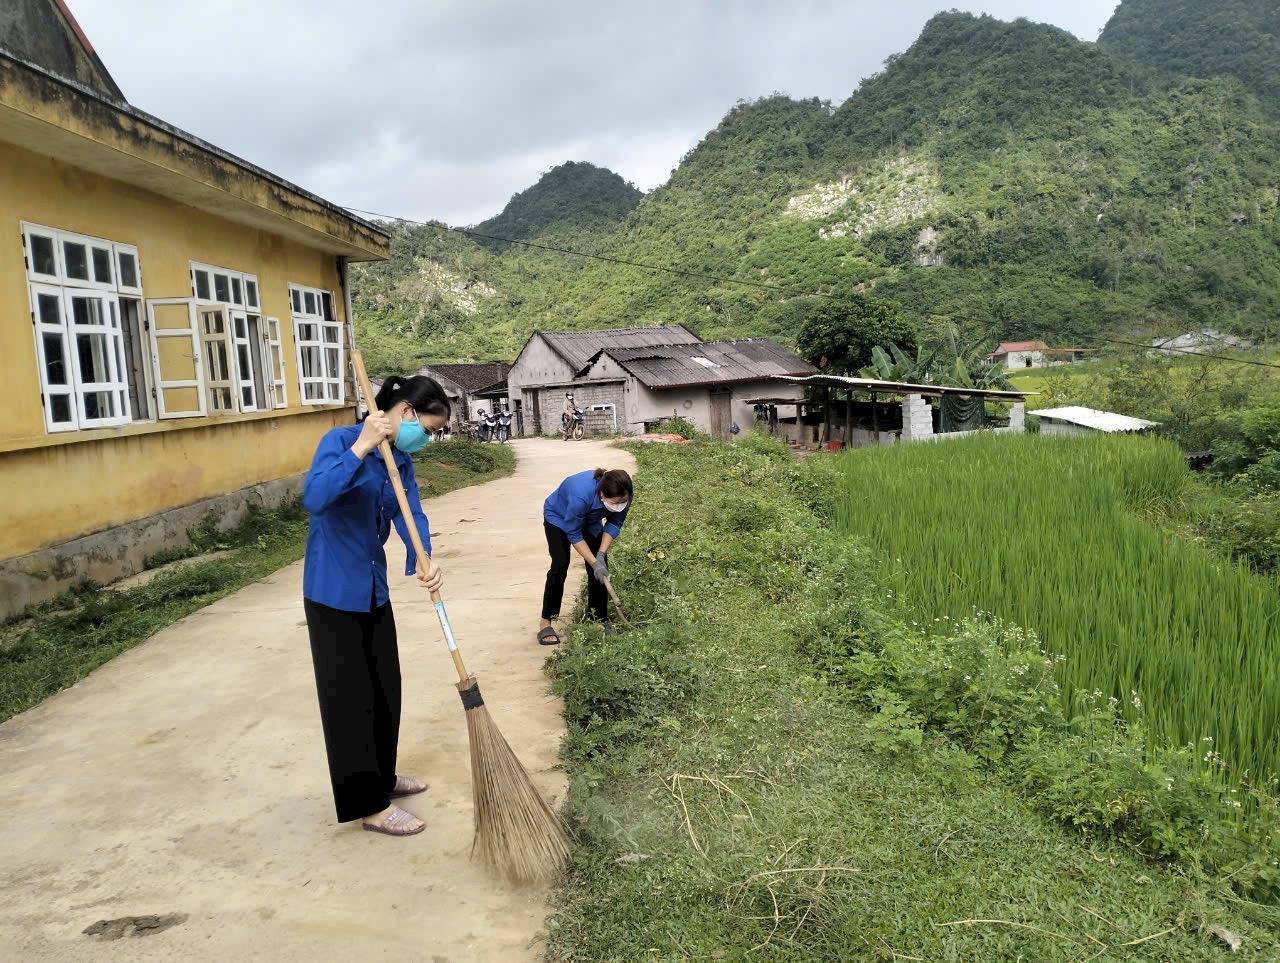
{"x": 587, "y": 513}
{"x": 344, "y": 586}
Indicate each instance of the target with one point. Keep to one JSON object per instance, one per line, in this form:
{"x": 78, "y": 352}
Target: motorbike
{"x": 503, "y": 430}
{"x": 572, "y": 426}
{"x": 486, "y": 425}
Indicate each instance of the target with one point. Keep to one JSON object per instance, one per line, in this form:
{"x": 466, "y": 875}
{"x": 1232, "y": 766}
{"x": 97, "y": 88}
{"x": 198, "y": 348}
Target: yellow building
{"x": 174, "y": 322}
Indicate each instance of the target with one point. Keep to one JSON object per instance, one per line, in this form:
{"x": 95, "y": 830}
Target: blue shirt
{"x": 353, "y": 507}
{"x": 575, "y": 507}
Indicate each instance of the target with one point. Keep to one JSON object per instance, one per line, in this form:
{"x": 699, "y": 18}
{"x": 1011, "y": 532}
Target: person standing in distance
{"x": 344, "y": 586}
{"x": 586, "y": 512}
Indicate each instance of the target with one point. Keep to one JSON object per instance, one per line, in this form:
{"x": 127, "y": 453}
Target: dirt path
{"x": 188, "y": 777}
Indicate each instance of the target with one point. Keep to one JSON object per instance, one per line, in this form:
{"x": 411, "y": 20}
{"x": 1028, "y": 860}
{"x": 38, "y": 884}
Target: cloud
{"x": 444, "y": 109}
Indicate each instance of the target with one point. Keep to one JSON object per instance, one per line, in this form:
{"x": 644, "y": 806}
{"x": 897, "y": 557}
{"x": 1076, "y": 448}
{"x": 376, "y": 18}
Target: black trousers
{"x": 357, "y": 665}
{"x": 553, "y": 594}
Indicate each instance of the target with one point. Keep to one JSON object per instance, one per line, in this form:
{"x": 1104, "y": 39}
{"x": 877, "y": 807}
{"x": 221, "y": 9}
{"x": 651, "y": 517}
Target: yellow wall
{"x": 61, "y": 485}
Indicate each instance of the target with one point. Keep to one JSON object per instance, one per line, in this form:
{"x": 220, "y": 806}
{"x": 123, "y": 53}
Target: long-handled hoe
{"x": 516, "y": 833}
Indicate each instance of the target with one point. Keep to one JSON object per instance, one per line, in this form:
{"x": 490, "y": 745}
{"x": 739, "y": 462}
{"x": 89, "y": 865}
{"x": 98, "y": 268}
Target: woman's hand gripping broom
{"x": 516, "y": 832}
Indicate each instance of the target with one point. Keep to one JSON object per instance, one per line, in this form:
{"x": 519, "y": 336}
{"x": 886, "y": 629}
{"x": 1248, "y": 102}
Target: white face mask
{"x": 617, "y": 506}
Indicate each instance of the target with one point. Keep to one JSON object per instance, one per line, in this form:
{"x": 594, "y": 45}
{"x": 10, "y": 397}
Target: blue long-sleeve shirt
{"x": 575, "y": 508}
{"x": 353, "y": 507}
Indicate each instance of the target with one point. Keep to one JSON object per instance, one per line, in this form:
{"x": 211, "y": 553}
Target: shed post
{"x": 826, "y": 413}
{"x": 848, "y": 417}
{"x": 875, "y": 415}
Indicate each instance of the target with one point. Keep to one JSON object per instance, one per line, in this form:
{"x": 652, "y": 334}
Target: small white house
{"x": 1074, "y": 420}
{"x": 1014, "y": 355}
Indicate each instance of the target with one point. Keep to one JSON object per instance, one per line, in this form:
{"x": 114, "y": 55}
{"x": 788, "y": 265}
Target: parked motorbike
{"x": 503, "y": 429}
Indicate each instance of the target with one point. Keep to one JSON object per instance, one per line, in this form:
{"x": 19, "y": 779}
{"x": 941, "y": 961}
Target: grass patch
{"x": 738, "y": 792}
{"x": 54, "y": 645}
{"x": 444, "y": 466}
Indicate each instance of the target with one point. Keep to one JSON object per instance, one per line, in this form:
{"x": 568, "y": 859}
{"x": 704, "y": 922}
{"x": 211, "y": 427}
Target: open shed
{"x": 855, "y": 412}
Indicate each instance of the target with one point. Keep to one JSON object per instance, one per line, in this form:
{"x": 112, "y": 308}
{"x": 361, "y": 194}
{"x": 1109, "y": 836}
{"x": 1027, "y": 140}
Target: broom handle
{"x": 357, "y": 363}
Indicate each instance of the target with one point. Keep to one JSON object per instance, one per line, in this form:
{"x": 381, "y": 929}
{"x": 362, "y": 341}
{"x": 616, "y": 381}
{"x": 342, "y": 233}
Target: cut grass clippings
{"x": 730, "y": 803}
{"x": 56, "y": 644}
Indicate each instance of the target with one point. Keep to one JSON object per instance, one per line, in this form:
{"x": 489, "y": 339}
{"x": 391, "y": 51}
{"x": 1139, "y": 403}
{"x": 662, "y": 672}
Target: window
{"x": 317, "y": 335}
{"x": 241, "y": 350}
{"x": 86, "y": 314}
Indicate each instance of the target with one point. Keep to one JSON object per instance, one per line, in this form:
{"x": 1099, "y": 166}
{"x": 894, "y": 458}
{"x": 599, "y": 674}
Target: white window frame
{"x": 67, "y": 289}
{"x": 318, "y": 334}
{"x": 273, "y": 356}
{"x": 191, "y": 334}
{"x": 243, "y": 302}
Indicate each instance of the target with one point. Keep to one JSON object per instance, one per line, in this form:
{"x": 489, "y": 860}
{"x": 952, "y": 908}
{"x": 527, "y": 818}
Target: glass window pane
{"x": 308, "y": 332}
{"x": 42, "y": 260}
{"x": 331, "y": 359}
{"x": 60, "y": 407}
{"x": 55, "y": 361}
{"x": 326, "y": 306}
{"x": 240, "y": 328}
{"x": 309, "y": 300}
{"x": 49, "y": 309}
{"x": 297, "y": 301}
{"x": 313, "y": 391}
{"x": 77, "y": 259}
{"x": 202, "y": 286}
{"x": 236, "y": 296}
{"x": 221, "y": 289}
{"x": 100, "y": 404}
{"x": 251, "y": 293}
{"x": 87, "y": 311}
{"x": 102, "y": 265}
{"x": 128, "y": 270}
{"x": 333, "y": 392}
{"x": 92, "y": 351}
{"x": 330, "y": 334}
{"x": 242, "y": 359}
{"x": 311, "y": 363}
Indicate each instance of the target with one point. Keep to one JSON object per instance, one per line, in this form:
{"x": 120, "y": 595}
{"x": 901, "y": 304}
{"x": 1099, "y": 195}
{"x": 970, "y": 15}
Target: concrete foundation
{"x": 121, "y": 551}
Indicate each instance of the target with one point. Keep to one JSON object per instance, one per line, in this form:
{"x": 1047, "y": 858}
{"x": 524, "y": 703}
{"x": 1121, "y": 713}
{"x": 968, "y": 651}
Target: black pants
{"x": 553, "y": 594}
{"x": 357, "y": 665}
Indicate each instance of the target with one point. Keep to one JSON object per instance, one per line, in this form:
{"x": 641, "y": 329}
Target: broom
{"x": 516, "y": 833}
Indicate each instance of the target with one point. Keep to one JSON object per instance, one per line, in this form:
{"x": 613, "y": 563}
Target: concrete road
{"x": 187, "y": 777}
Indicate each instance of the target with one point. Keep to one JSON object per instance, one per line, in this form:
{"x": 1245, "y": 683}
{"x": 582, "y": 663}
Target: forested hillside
{"x": 1005, "y": 179}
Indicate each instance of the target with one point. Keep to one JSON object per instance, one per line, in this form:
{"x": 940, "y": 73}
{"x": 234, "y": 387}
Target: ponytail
{"x": 598, "y": 474}
{"x": 424, "y": 395}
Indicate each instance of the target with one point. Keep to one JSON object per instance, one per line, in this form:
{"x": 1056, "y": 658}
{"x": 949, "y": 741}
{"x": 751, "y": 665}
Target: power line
{"x": 797, "y": 292}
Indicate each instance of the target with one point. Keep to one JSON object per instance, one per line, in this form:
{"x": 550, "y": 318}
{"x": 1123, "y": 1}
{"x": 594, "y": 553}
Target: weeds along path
{"x": 186, "y": 779}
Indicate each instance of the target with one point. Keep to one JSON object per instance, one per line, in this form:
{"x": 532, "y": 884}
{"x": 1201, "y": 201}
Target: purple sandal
{"x": 399, "y": 823}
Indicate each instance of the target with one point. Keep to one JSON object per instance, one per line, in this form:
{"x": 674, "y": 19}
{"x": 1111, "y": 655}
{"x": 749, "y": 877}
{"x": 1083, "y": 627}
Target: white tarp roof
{"x": 1092, "y": 418}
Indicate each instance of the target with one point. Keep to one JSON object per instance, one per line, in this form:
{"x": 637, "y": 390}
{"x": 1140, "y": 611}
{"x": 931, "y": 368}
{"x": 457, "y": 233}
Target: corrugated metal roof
{"x": 473, "y": 377}
{"x": 903, "y": 387}
{"x": 1092, "y": 418}
{"x": 579, "y": 347}
{"x": 708, "y": 362}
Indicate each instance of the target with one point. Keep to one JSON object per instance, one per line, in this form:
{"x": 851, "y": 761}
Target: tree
{"x": 838, "y": 334}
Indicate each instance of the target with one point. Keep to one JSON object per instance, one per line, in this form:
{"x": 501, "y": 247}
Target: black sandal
{"x": 548, "y": 636}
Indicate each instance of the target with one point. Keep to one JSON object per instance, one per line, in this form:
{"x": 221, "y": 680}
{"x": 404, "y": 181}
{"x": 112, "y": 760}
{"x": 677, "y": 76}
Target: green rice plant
{"x": 1054, "y": 534}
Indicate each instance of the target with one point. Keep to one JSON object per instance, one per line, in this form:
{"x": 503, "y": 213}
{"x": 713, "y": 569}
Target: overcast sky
{"x": 445, "y": 108}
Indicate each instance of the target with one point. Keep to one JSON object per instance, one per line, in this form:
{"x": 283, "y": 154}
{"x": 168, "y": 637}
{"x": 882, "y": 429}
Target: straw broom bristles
{"x": 517, "y": 834}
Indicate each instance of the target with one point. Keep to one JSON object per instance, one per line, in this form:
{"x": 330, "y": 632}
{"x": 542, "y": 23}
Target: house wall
{"x": 538, "y": 380}
{"x": 1063, "y": 428}
{"x": 694, "y": 403}
{"x": 1017, "y": 360}
{"x": 68, "y": 484}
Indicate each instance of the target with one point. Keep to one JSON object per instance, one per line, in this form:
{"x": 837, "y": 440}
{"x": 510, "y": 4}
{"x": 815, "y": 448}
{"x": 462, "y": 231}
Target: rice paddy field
{"x": 1055, "y": 534}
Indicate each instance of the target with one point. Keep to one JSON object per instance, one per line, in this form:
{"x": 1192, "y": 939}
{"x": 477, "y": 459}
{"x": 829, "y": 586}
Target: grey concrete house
{"x": 711, "y": 383}
{"x": 470, "y": 386}
{"x": 628, "y": 379}
{"x": 550, "y": 363}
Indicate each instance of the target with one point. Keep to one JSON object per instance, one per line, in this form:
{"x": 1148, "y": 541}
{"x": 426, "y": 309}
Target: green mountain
{"x": 572, "y": 197}
{"x": 1005, "y": 179}
{"x": 1224, "y": 38}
